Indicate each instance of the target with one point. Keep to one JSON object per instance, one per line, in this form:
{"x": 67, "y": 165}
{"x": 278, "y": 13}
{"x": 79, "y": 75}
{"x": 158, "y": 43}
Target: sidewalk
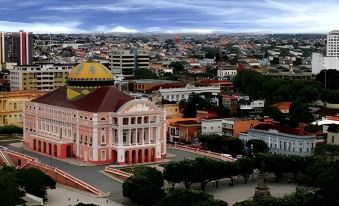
{"x": 66, "y": 196}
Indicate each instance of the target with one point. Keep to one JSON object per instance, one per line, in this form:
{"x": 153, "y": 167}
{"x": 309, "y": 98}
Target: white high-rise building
{"x": 331, "y": 60}
{"x": 333, "y": 44}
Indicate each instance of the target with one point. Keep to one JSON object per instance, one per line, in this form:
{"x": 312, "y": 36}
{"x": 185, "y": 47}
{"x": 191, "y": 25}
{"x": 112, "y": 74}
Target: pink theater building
{"x": 91, "y": 120}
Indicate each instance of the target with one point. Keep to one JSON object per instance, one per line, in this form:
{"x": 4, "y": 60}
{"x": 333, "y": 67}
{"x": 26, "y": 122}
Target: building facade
{"x": 12, "y": 104}
{"x": 125, "y": 62}
{"x": 43, "y": 77}
{"x": 183, "y": 92}
{"x": 330, "y": 61}
{"x": 16, "y": 47}
{"x": 332, "y": 49}
{"x": 282, "y": 140}
{"x": 92, "y": 121}
{"x": 230, "y": 127}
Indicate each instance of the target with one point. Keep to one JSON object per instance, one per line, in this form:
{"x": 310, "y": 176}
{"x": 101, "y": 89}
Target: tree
{"x": 246, "y": 167}
{"x": 9, "y": 188}
{"x": 173, "y": 173}
{"x": 328, "y": 151}
{"x": 212, "y": 142}
{"x": 299, "y": 112}
{"x": 183, "y": 197}
{"x": 178, "y": 66}
{"x": 141, "y": 190}
{"x": 10, "y": 129}
{"x": 35, "y": 181}
{"x": 144, "y": 188}
{"x": 145, "y": 74}
{"x": 273, "y": 113}
{"x": 189, "y": 174}
{"x": 258, "y": 146}
{"x": 233, "y": 146}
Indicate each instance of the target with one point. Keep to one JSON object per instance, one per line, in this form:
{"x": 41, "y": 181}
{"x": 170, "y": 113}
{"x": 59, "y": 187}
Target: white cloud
{"x": 36, "y": 27}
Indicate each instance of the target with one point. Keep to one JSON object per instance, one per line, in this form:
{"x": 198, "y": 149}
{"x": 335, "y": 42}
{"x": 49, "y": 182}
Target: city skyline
{"x": 164, "y": 16}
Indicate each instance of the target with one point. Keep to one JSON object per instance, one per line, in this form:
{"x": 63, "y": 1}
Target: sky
{"x": 170, "y": 16}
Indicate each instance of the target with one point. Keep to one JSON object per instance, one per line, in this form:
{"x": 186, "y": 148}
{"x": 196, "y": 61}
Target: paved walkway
{"x": 65, "y": 196}
{"x": 91, "y": 175}
{"x": 240, "y": 192}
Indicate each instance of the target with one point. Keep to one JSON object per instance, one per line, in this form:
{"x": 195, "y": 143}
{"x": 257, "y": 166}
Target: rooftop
{"x": 103, "y": 99}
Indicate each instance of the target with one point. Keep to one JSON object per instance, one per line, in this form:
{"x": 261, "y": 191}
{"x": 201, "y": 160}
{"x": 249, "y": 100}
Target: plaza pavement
{"x": 240, "y": 192}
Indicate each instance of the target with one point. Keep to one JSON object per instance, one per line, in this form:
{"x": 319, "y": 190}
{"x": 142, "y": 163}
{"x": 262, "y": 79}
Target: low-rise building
{"x": 183, "y": 131}
{"x": 11, "y": 106}
{"x": 284, "y": 140}
{"x": 230, "y": 103}
{"x": 172, "y": 110}
{"x": 231, "y": 127}
{"x": 180, "y": 92}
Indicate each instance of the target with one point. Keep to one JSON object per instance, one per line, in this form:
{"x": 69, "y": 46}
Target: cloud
{"x": 170, "y": 16}
{"x": 36, "y": 27}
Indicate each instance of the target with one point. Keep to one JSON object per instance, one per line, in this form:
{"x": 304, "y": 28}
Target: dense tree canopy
{"x": 259, "y": 146}
{"x": 144, "y": 187}
{"x": 273, "y": 90}
{"x": 183, "y": 197}
{"x": 10, "y": 129}
{"x": 14, "y": 183}
{"x": 145, "y": 74}
{"x": 218, "y": 143}
{"x": 273, "y": 113}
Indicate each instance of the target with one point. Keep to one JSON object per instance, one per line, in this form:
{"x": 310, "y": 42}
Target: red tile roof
{"x": 104, "y": 99}
{"x": 282, "y": 105}
{"x": 282, "y": 129}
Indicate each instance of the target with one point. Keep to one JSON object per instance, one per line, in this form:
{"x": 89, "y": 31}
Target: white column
{"x": 130, "y": 136}
{"x": 157, "y": 134}
{"x": 95, "y": 137}
{"x": 149, "y": 135}
{"x": 142, "y": 136}
{"x": 120, "y": 137}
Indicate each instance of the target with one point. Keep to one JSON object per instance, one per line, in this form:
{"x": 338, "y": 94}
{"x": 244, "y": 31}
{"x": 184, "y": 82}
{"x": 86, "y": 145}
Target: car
{"x": 239, "y": 156}
{"x": 226, "y": 155}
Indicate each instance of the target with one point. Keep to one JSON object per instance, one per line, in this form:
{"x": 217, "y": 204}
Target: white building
{"x": 256, "y": 104}
{"x": 211, "y": 126}
{"x": 282, "y": 142}
{"x": 319, "y": 62}
{"x": 331, "y": 60}
{"x": 333, "y": 44}
{"x": 180, "y": 93}
{"x": 207, "y": 62}
{"x": 227, "y": 71}
{"x": 42, "y": 77}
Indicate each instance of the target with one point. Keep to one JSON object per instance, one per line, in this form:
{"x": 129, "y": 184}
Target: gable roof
{"x": 103, "y": 99}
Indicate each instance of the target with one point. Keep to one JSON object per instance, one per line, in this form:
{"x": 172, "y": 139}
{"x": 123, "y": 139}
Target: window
{"x": 125, "y": 121}
{"x": 139, "y": 120}
{"x": 124, "y": 136}
{"x": 133, "y": 120}
{"x": 146, "y": 119}
{"x": 103, "y": 139}
{"x": 103, "y": 155}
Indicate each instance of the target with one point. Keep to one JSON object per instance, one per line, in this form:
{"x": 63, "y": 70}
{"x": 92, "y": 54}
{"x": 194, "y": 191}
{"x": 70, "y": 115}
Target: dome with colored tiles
{"x": 86, "y": 77}
{"x": 90, "y": 72}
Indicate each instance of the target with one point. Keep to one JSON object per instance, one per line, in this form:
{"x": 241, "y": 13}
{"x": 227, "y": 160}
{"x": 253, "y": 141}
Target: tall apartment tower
{"x": 124, "y": 62}
{"x": 16, "y": 47}
{"x": 333, "y": 44}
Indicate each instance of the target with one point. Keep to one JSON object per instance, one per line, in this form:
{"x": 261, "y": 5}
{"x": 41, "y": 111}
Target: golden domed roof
{"x": 90, "y": 71}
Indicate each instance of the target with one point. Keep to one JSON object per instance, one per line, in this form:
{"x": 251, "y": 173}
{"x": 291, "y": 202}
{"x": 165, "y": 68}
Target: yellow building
{"x": 11, "y": 106}
{"x": 42, "y": 77}
{"x": 172, "y": 111}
